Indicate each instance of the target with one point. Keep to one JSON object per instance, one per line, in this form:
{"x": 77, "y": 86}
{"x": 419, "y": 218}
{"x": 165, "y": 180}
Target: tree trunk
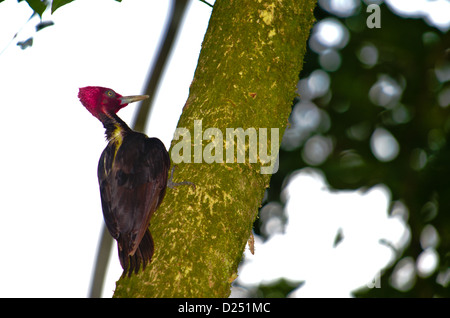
{"x": 246, "y": 78}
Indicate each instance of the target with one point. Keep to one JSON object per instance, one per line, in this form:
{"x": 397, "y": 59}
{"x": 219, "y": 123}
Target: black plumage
{"x": 132, "y": 174}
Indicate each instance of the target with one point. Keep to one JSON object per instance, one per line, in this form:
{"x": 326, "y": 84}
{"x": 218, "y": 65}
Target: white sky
{"x": 50, "y": 213}
{"x": 304, "y": 250}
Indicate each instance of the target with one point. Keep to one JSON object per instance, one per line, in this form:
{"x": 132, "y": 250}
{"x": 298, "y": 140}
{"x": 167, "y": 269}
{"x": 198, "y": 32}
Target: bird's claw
{"x": 171, "y": 184}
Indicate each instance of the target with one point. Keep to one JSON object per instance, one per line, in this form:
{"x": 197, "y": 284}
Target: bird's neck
{"x": 115, "y": 128}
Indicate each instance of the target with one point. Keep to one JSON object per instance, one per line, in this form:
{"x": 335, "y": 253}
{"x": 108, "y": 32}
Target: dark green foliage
{"x": 278, "y": 289}
{"x": 59, "y": 3}
{"x": 39, "y": 6}
{"x": 414, "y": 56}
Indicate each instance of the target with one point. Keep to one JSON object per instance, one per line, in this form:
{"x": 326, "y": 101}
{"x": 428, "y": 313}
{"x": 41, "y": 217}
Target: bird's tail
{"x": 143, "y": 255}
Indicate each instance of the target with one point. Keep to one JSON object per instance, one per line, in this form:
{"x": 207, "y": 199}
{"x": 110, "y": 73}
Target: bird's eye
{"x": 110, "y": 93}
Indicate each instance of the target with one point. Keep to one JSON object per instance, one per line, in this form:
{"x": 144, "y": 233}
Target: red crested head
{"x": 101, "y": 100}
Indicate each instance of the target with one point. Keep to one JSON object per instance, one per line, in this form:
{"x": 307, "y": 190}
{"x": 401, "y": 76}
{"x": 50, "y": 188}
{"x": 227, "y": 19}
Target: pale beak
{"x": 130, "y": 99}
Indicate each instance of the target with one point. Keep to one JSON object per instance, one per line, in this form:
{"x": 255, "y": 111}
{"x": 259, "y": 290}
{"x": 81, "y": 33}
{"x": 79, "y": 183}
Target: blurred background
{"x": 360, "y": 204}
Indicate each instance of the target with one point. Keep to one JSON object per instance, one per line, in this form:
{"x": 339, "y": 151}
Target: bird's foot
{"x": 171, "y": 184}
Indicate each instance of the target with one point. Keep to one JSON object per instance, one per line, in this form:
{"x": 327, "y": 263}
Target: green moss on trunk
{"x": 246, "y": 77}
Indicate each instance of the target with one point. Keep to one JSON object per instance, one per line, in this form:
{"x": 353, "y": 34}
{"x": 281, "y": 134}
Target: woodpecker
{"x": 132, "y": 174}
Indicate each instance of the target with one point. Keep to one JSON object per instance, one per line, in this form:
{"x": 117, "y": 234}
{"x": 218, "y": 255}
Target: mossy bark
{"x": 246, "y": 77}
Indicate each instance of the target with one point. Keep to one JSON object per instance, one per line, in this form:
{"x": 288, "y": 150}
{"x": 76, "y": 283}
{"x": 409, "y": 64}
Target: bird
{"x": 132, "y": 175}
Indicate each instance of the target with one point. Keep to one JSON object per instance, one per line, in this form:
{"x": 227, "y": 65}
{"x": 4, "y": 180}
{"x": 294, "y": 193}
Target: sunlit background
{"x": 50, "y": 213}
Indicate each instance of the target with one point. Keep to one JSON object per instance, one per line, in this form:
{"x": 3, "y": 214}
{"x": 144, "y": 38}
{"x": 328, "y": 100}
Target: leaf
{"x": 24, "y": 44}
{"x": 56, "y": 4}
{"x": 38, "y": 6}
{"x": 43, "y": 25}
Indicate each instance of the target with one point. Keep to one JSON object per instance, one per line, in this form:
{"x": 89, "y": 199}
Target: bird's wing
{"x": 104, "y": 180}
{"x": 132, "y": 186}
